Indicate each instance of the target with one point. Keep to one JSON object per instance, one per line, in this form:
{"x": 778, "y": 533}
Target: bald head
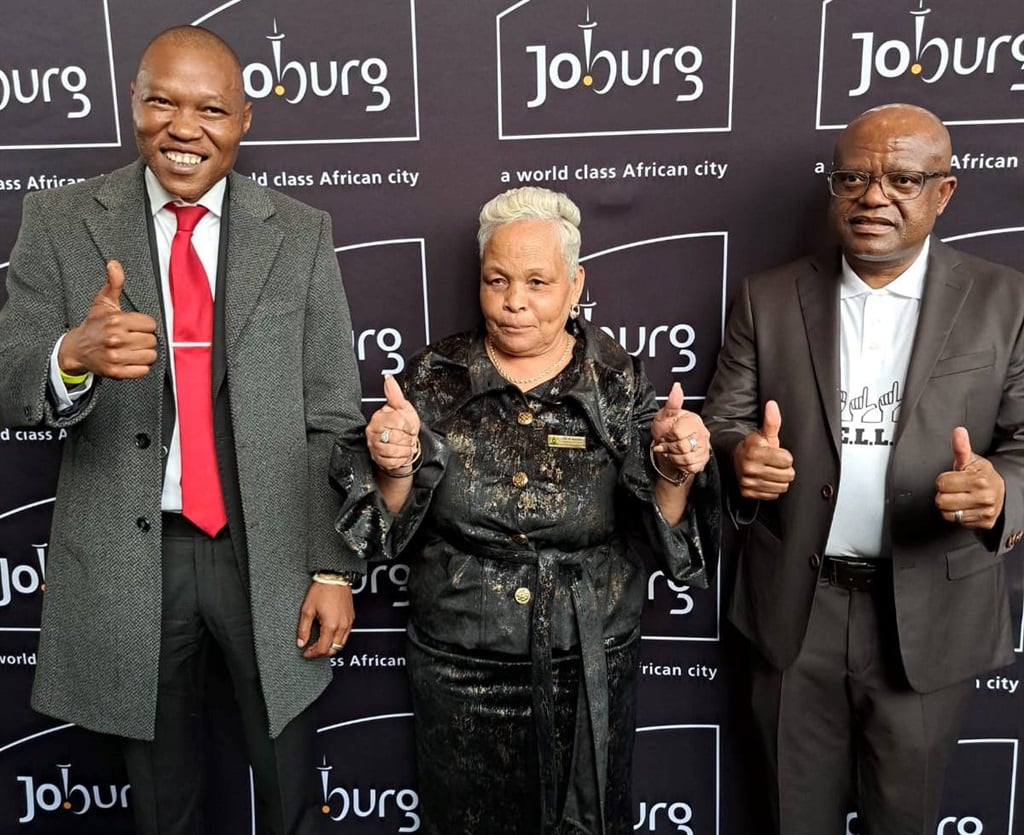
{"x": 191, "y": 37}
{"x": 896, "y": 125}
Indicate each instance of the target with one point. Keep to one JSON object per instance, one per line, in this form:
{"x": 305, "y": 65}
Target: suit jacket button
{"x": 522, "y": 595}
{"x": 521, "y": 539}
{"x": 815, "y": 561}
{"x": 520, "y": 480}
{"x": 142, "y": 440}
{"x": 828, "y": 491}
{"x": 143, "y": 523}
{"x": 164, "y": 451}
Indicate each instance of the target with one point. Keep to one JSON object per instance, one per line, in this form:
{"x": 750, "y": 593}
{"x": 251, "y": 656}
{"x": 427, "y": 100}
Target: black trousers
{"x": 842, "y": 730}
{"x": 205, "y": 600}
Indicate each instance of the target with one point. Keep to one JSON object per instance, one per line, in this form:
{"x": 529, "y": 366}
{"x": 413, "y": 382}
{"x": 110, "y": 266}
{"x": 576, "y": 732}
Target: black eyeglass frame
{"x": 882, "y": 180}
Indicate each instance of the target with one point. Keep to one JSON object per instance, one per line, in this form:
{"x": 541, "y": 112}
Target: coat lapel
{"x": 819, "y": 303}
{"x": 252, "y": 250}
{"x": 121, "y": 232}
{"x": 944, "y": 294}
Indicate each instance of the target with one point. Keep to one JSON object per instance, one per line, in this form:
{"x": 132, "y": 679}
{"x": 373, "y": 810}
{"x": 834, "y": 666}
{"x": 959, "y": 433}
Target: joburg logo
{"x": 373, "y": 794}
{"x": 63, "y": 794}
{"x": 676, "y": 339}
{"x": 323, "y": 75}
{"x": 293, "y": 80}
{"x": 664, "y": 803}
{"x": 967, "y": 67}
{"x": 611, "y": 72}
{"x": 377, "y": 272}
{"x": 57, "y": 102}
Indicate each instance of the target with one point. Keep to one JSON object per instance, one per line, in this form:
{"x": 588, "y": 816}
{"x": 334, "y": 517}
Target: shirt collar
{"x": 908, "y": 284}
{"x": 159, "y": 197}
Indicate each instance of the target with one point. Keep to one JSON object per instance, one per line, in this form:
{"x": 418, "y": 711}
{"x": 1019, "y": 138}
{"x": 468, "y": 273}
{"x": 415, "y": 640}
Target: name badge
{"x": 568, "y": 441}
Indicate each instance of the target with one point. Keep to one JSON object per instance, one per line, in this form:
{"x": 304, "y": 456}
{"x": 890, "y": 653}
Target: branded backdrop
{"x": 693, "y": 134}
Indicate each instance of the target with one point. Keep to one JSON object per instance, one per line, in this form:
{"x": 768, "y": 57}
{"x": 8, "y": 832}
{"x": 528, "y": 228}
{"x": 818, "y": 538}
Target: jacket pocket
{"x": 968, "y": 560}
{"x": 964, "y": 362}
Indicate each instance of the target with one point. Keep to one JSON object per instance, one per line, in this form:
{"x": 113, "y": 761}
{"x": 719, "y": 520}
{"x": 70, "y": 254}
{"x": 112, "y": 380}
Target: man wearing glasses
{"x": 869, "y": 407}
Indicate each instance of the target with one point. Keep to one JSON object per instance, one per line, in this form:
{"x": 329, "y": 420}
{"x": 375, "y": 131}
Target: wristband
{"x": 72, "y": 379}
{"x": 678, "y": 480}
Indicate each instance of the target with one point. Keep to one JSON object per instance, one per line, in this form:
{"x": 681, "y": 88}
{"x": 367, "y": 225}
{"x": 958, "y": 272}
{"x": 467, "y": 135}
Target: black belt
{"x": 855, "y": 573}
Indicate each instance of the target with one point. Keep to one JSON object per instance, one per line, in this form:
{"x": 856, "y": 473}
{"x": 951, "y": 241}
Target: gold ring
{"x": 337, "y": 647}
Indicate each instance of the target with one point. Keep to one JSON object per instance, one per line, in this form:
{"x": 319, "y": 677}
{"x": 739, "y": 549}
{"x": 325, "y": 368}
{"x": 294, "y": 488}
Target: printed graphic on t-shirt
{"x": 869, "y": 419}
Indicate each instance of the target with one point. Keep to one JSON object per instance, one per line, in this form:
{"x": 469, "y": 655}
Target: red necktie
{"x": 202, "y": 501}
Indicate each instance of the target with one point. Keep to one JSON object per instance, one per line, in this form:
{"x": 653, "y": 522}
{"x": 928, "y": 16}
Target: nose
{"x": 514, "y": 296}
{"x": 185, "y": 124}
{"x": 875, "y": 196}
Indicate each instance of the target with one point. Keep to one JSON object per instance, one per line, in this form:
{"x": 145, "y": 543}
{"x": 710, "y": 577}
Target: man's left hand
{"x": 331, "y": 606}
{"x": 972, "y": 493}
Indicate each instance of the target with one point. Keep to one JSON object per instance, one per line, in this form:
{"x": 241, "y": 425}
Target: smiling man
{"x": 189, "y": 329}
{"x": 869, "y": 406}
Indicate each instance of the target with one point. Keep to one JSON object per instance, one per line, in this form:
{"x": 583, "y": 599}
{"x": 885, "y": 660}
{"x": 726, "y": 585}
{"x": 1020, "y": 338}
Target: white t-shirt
{"x": 877, "y": 330}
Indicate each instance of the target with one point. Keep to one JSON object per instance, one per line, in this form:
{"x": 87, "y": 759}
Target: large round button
{"x": 522, "y": 595}
{"x": 520, "y": 480}
{"x": 815, "y": 561}
{"x": 828, "y": 491}
{"x": 143, "y": 523}
{"x": 525, "y": 418}
{"x": 521, "y": 539}
{"x": 142, "y": 440}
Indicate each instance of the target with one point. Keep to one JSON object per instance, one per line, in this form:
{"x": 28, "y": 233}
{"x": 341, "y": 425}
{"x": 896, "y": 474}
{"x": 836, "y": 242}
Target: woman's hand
{"x": 392, "y": 434}
{"x": 679, "y": 438}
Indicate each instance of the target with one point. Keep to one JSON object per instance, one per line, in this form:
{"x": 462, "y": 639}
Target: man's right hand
{"x": 110, "y": 342}
{"x": 764, "y": 469}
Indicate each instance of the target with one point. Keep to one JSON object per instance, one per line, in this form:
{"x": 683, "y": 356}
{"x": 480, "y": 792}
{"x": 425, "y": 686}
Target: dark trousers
{"x": 843, "y": 731}
{"x": 204, "y": 599}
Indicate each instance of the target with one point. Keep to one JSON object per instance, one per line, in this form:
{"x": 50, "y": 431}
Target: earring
{"x": 574, "y": 311}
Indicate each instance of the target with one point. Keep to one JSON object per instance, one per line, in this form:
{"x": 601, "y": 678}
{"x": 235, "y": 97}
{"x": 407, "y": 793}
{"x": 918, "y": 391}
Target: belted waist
{"x": 856, "y": 573}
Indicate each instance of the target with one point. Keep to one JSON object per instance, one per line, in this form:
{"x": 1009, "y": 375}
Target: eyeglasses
{"x": 896, "y": 185}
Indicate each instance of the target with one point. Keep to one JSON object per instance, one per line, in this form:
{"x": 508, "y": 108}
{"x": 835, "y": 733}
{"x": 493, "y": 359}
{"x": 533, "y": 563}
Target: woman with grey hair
{"x": 524, "y": 469}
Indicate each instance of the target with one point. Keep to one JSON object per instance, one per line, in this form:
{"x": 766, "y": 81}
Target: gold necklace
{"x": 523, "y": 381}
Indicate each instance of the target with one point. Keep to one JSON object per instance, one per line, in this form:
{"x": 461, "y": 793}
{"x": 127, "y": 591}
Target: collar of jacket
{"x": 605, "y": 388}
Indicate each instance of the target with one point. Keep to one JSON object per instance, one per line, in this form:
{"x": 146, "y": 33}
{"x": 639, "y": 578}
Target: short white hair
{"x": 534, "y": 203}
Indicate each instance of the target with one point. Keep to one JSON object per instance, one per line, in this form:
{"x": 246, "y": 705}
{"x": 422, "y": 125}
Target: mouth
{"x": 871, "y": 225}
{"x": 182, "y": 159}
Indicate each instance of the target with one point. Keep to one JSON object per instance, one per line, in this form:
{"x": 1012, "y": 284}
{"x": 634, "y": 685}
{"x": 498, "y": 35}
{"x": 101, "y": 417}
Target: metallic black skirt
{"x": 476, "y": 740}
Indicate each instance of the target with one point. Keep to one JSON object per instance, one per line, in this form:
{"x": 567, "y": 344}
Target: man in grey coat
{"x": 193, "y": 501}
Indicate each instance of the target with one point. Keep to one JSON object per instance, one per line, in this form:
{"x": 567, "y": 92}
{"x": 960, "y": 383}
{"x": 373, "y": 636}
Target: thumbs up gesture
{"x": 972, "y": 493}
{"x": 392, "y": 433}
{"x": 679, "y": 437}
{"x": 110, "y": 342}
{"x": 764, "y": 468}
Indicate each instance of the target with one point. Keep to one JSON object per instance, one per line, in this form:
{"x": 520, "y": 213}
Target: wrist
{"x": 679, "y": 479}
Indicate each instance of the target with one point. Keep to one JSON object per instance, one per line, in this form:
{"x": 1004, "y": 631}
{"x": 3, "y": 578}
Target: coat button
{"x": 142, "y": 523}
{"x": 164, "y": 451}
{"x": 142, "y": 440}
{"x": 828, "y": 491}
{"x": 522, "y": 595}
{"x": 815, "y": 561}
{"x": 521, "y": 539}
{"x": 520, "y": 480}
{"x": 525, "y": 418}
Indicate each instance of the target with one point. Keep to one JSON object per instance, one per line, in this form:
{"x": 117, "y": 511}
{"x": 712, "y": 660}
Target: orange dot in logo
{"x": 915, "y": 69}
{"x": 325, "y": 809}
{"x": 66, "y": 804}
{"x": 588, "y": 81}
{"x": 279, "y": 89}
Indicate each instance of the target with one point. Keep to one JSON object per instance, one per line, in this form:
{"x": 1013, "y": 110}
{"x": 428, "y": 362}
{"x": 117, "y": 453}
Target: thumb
{"x": 110, "y": 293}
{"x": 772, "y": 423}
{"x": 962, "y": 454}
{"x": 393, "y": 393}
{"x": 675, "y": 398}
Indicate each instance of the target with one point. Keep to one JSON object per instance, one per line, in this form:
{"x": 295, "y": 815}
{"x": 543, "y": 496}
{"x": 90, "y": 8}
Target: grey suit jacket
{"x": 967, "y": 368}
{"x": 293, "y": 388}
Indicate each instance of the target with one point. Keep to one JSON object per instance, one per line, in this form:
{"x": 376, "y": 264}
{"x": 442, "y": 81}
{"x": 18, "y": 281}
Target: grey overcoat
{"x": 293, "y": 388}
